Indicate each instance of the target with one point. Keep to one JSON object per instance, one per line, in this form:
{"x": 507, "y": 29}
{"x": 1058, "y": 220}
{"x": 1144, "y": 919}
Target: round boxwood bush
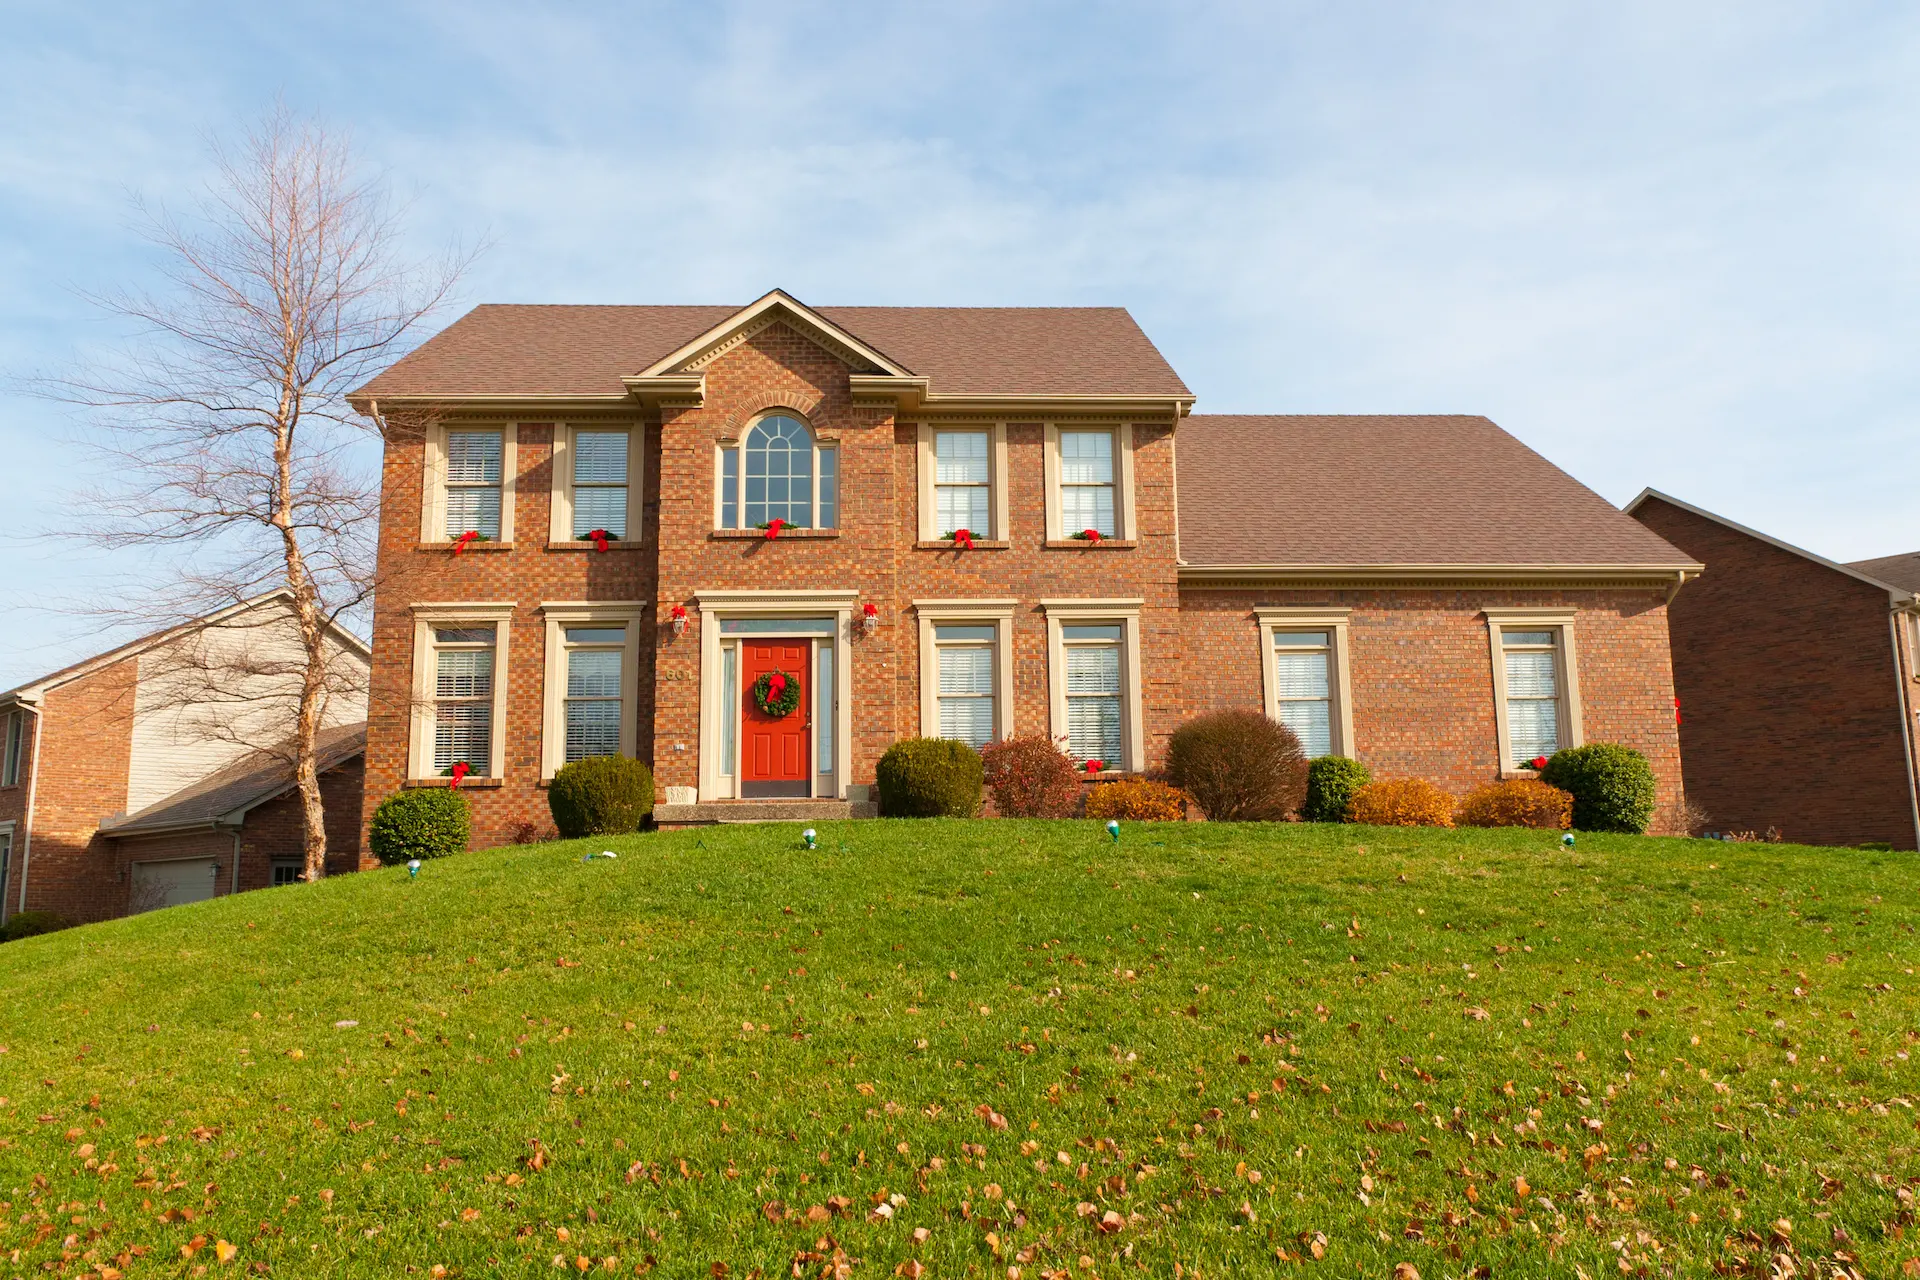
{"x": 1612, "y": 786}
{"x": 28, "y": 924}
{"x": 601, "y": 796}
{"x": 1331, "y": 782}
{"x": 1239, "y": 766}
{"x": 929, "y": 778}
{"x": 426, "y": 822}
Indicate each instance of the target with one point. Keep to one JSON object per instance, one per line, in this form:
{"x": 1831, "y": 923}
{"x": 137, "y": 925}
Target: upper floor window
{"x": 1089, "y": 473}
{"x": 12, "y": 735}
{"x": 600, "y": 482}
{"x": 474, "y": 471}
{"x": 961, "y": 497}
{"x": 779, "y": 471}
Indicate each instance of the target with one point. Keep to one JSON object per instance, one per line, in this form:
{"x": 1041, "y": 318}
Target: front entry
{"x": 775, "y": 759}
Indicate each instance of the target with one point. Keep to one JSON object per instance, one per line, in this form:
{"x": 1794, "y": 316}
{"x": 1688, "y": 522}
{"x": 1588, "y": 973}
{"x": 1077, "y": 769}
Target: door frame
{"x": 719, "y": 780}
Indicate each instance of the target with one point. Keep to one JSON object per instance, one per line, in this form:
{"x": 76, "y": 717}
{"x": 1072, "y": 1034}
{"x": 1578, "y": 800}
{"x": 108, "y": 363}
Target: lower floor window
{"x": 463, "y": 698}
{"x": 287, "y": 871}
{"x": 593, "y": 707}
{"x": 1304, "y": 688}
{"x": 1533, "y": 694}
{"x": 1093, "y": 691}
{"x": 966, "y": 702}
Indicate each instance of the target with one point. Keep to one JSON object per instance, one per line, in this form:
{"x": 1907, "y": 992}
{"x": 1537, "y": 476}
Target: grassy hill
{"x": 981, "y": 1047}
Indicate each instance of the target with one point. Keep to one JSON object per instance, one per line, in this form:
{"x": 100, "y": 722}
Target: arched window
{"x": 786, "y": 473}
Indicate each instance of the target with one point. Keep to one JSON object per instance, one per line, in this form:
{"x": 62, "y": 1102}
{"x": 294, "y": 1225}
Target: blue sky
{"x": 1667, "y": 244}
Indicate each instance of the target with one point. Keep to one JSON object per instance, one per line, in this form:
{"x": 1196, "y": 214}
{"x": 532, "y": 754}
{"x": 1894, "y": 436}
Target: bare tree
{"x": 229, "y": 452}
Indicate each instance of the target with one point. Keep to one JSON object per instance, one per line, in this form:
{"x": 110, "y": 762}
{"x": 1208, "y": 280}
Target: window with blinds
{"x": 594, "y": 656}
{"x": 1533, "y": 693}
{"x": 15, "y": 730}
{"x": 965, "y": 700}
{"x": 600, "y": 482}
{"x": 962, "y": 472}
{"x": 1302, "y": 662}
{"x": 463, "y": 698}
{"x": 1086, "y": 483}
{"x": 1093, "y": 693}
{"x": 473, "y": 483}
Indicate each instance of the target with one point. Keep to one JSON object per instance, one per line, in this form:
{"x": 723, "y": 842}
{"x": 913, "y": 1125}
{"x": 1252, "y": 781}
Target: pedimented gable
{"x": 777, "y": 307}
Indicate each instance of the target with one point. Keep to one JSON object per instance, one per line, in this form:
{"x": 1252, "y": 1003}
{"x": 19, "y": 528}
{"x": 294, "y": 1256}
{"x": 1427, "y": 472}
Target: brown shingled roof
{"x": 509, "y": 350}
{"x": 252, "y": 780}
{"x": 1391, "y": 489}
{"x": 1902, "y": 571}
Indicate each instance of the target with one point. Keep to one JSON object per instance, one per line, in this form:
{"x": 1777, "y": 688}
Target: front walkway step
{"x": 717, "y": 811}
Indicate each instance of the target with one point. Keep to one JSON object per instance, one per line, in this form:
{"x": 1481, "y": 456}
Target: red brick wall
{"x": 1423, "y": 676}
{"x": 1790, "y": 702}
{"x": 85, "y": 743}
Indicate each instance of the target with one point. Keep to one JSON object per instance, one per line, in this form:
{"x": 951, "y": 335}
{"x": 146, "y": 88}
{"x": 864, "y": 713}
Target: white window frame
{"x": 1559, "y": 621}
{"x": 1123, "y": 500}
{"x": 13, "y": 738}
{"x": 433, "y": 488}
{"x": 1272, "y": 620}
{"x": 998, "y": 614}
{"x": 999, "y": 519}
{"x": 1133, "y": 720}
{"x": 7, "y": 842}
{"x": 426, "y": 617}
{"x": 737, "y": 447}
{"x": 559, "y": 615}
{"x": 560, "y": 524}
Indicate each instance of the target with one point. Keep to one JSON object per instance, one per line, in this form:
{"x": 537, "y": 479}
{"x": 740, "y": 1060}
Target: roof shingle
{"x": 1902, "y": 571}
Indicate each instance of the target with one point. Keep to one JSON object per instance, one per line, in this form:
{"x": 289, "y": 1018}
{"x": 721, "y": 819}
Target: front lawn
{"x": 983, "y": 1048}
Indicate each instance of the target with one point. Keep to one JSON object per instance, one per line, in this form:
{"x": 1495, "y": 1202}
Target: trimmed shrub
{"x": 1331, "y": 782}
{"x": 1401, "y": 802}
{"x": 1137, "y": 800}
{"x": 427, "y": 822}
{"x": 1239, "y": 766}
{"x": 600, "y": 796}
{"x": 1030, "y": 778}
{"x": 29, "y": 924}
{"x": 1517, "y": 802}
{"x": 1612, "y": 786}
{"x": 929, "y": 778}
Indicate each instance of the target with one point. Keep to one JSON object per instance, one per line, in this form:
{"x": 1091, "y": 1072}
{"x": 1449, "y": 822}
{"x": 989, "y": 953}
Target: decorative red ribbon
{"x": 1538, "y": 762}
{"x": 1095, "y": 766}
{"x": 773, "y": 528}
{"x": 1091, "y": 535}
{"x": 776, "y": 687}
{"x": 599, "y": 537}
{"x": 460, "y": 770}
{"x": 679, "y": 612}
{"x": 964, "y": 538}
{"x": 460, "y": 544}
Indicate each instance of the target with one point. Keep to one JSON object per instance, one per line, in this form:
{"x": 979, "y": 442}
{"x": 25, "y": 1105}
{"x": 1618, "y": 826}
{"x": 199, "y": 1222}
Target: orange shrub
{"x": 1402, "y": 802}
{"x": 1137, "y": 800}
{"x": 1519, "y": 802}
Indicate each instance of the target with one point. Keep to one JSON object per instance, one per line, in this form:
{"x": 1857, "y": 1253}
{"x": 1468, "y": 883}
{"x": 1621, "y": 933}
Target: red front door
{"x": 774, "y": 750}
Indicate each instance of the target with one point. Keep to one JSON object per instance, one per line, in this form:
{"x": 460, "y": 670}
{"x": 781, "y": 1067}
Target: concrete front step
{"x": 717, "y": 811}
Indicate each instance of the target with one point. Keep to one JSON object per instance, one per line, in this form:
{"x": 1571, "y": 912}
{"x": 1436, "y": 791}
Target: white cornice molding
{"x": 1331, "y": 574}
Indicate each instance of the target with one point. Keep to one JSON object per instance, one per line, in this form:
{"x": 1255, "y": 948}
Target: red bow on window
{"x": 1538, "y": 762}
{"x": 460, "y": 770}
{"x": 1091, "y": 535}
{"x": 461, "y": 543}
{"x": 964, "y": 538}
{"x": 776, "y": 686}
{"x": 599, "y": 537}
{"x": 773, "y": 528}
{"x": 1095, "y": 766}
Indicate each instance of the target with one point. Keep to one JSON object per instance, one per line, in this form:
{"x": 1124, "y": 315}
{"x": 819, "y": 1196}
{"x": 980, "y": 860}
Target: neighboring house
{"x": 1796, "y": 683}
{"x": 1424, "y": 593}
{"x": 156, "y": 773}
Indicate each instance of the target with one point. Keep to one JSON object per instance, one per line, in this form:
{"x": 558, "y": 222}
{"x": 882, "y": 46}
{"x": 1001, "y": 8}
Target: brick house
{"x": 1796, "y": 683}
{"x": 148, "y": 776}
{"x": 1423, "y": 592}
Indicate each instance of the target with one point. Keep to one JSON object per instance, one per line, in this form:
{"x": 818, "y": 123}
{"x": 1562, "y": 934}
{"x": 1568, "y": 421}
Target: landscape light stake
{"x": 413, "y": 868}
{"x": 1113, "y": 829}
{"x": 809, "y": 835}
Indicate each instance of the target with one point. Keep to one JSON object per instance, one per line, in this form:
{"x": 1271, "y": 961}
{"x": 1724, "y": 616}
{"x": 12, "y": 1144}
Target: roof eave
{"x": 1661, "y": 573}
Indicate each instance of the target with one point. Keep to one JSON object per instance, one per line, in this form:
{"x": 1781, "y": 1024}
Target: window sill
{"x": 979, "y": 544}
{"x": 613, "y": 544}
{"x": 467, "y": 783}
{"x": 1087, "y": 544}
{"x": 472, "y": 548}
{"x": 723, "y": 535}
{"x": 1509, "y": 775}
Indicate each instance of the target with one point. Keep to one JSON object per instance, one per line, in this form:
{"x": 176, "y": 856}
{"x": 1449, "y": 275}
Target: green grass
{"x": 1018, "y": 1027}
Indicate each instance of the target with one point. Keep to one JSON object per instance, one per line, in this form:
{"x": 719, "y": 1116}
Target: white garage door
{"x": 168, "y": 884}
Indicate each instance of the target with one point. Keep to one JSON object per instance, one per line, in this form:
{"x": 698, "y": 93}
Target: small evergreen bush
{"x": 600, "y": 796}
{"x": 1030, "y": 778}
{"x": 929, "y": 778}
{"x": 1331, "y": 782}
{"x": 426, "y": 822}
{"x": 1612, "y": 786}
{"x": 28, "y": 924}
{"x": 1137, "y": 800}
{"x": 1517, "y": 802}
{"x": 1239, "y": 766}
{"x": 1402, "y": 802}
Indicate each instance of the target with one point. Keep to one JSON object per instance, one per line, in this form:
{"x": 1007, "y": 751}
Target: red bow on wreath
{"x": 774, "y": 527}
{"x": 1091, "y": 535}
{"x": 461, "y": 543}
{"x": 1095, "y": 766}
{"x": 460, "y": 770}
{"x": 599, "y": 537}
{"x": 964, "y": 538}
{"x": 776, "y": 686}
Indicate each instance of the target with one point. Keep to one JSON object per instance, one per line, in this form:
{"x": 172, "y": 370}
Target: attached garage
{"x": 168, "y": 884}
